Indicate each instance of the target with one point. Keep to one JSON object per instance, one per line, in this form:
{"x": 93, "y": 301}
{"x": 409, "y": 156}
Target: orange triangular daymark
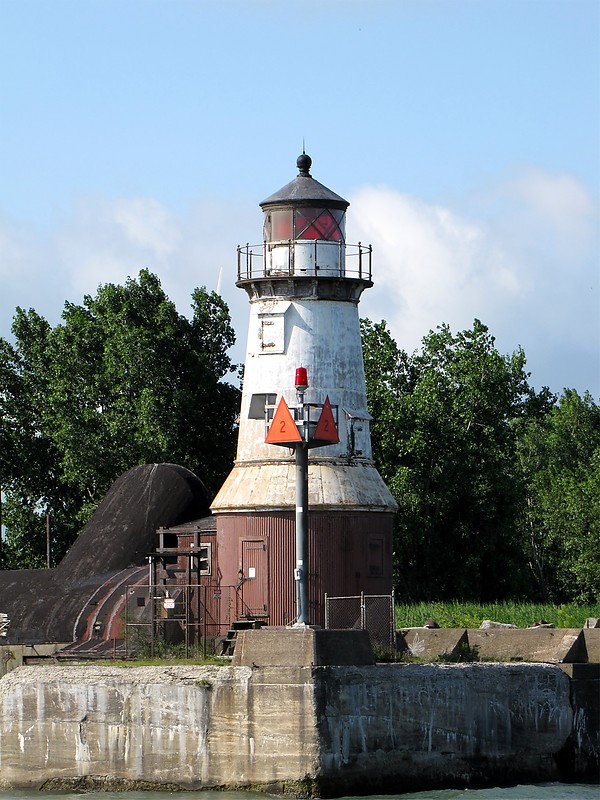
{"x": 326, "y": 430}
{"x": 283, "y": 428}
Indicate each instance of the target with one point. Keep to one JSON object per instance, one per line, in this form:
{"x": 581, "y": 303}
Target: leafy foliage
{"x": 123, "y": 380}
{"x": 560, "y": 461}
{"x": 495, "y": 483}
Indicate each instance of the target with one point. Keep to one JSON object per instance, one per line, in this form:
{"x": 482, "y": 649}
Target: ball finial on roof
{"x": 303, "y": 163}
{"x": 301, "y": 192}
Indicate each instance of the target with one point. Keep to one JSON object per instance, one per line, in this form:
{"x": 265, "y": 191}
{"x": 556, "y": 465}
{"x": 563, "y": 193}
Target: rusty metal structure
{"x": 80, "y": 606}
{"x": 185, "y": 601}
{"x": 304, "y": 284}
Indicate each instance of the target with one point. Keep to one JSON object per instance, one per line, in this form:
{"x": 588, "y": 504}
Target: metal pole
{"x": 186, "y": 595}
{"x": 363, "y": 621}
{"x": 153, "y": 626}
{"x": 394, "y": 647}
{"x": 204, "y": 623}
{"x": 302, "y": 533}
{"x": 48, "y": 545}
{"x": 126, "y": 629}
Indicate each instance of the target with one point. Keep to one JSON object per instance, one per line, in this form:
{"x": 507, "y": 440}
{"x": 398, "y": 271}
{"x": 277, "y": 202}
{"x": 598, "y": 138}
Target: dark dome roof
{"x": 47, "y": 605}
{"x": 122, "y": 529}
{"x": 304, "y": 190}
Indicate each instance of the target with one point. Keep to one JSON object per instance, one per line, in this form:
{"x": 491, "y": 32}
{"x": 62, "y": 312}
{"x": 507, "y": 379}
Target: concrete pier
{"x": 308, "y": 730}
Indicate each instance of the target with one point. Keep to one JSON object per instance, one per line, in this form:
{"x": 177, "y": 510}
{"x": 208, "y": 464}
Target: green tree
{"x": 444, "y": 442}
{"x": 123, "y": 380}
{"x": 560, "y": 460}
{"x": 389, "y": 378}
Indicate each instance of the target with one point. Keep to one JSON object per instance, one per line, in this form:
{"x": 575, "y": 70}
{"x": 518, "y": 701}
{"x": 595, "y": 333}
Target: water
{"x": 542, "y": 791}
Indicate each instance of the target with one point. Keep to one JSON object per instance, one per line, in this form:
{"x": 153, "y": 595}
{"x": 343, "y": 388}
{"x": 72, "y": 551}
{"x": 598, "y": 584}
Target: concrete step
{"x": 226, "y": 647}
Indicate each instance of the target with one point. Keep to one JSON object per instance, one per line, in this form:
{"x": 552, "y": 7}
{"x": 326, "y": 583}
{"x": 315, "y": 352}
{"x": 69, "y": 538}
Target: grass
{"x": 210, "y": 661}
{"x": 454, "y": 614}
{"x": 448, "y": 614}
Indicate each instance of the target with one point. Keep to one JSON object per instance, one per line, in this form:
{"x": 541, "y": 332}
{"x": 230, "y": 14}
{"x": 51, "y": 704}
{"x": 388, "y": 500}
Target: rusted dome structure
{"x": 85, "y": 595}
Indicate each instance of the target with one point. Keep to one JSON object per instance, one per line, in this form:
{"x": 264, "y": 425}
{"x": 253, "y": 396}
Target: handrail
{"x": 353, "y": 260}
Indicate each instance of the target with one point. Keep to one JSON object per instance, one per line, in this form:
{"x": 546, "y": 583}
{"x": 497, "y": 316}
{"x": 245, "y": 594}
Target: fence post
{"x": 126, "y": 631}
{"x": 186, "y": 600}
{"x": 393, "y": 624}
{"x": 153, "y": 625}
{"x": 326, "y": 611}
{"x": 363, "y": 616}
{"x": 205, "y": 624}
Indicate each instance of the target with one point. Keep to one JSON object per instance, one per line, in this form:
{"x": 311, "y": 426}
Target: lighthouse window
{"x": 278, "y": 225}
{"x": 375, "y": 558}
{"x": 319, "y": 223}
{"x": 204, "y": 559}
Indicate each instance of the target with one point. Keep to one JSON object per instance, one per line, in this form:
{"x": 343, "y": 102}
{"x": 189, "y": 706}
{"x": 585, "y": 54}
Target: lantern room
{"x": 304, "y": 227}
{"x": 283, "y": 224}
{"x": 304, "y": 210}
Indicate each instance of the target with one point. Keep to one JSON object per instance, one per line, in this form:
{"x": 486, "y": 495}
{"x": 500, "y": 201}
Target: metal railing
{"x": 351, "y": 261}
{"x": 193, "y": 617}
{"x": 373, "y": 613}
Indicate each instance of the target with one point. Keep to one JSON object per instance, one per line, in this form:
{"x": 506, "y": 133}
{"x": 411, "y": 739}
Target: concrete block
{"x": 417, "y": 723}
{"x": 548, "y": 645}
{"x": 432, "y": 643}
{"x": 297, "y": 647}
{"x": 591, "y": 637}
{"x": 582, "y": 672}
{"x": 15, "y": 655}
{"x": 296, "y": 731}
{"x": 489, "y": 623}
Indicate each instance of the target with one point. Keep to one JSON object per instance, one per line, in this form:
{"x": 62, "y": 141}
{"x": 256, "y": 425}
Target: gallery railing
{"x": 304, "y": 258}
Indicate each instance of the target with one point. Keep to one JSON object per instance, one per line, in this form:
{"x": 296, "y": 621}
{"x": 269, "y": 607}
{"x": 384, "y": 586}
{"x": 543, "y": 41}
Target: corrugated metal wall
{"x": 349, "y": 552}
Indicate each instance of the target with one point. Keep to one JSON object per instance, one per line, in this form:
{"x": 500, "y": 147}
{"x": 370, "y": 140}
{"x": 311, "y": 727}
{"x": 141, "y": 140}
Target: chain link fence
{"x": 196, "y": 618}
{"x": 191, "y": 618}
{"x": 373, "y": 613}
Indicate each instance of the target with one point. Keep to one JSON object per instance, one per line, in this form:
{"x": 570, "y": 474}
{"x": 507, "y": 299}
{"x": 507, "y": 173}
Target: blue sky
{"x": 466, "y": 136}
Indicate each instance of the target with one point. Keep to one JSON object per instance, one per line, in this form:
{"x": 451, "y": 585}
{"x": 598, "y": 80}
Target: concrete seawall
{"x": 311, "y": 730}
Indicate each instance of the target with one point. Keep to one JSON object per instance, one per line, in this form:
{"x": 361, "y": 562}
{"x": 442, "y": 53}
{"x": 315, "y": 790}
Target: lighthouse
{"x": 304, "y": 283}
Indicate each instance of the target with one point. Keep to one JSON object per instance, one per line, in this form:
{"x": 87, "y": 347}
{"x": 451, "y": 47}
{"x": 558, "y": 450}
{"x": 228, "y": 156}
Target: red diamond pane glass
{"x": 319, "y": 223}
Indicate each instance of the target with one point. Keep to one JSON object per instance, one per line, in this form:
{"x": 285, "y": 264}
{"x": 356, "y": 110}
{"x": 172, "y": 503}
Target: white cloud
{"x": 11, "y": 253}
{"x": 149, "y": 225}
{"x": 110, "y": 240}
{"x": 29, "y": 275}
{"x": 106, "y": 241}
{"x": 430, "y": 264}
{"x": 558, "y": 201}
{"x": 522, "y": 256}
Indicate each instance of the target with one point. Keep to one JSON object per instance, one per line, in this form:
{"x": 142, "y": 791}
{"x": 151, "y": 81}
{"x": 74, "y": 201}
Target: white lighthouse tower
{"x": 304, "y": 283}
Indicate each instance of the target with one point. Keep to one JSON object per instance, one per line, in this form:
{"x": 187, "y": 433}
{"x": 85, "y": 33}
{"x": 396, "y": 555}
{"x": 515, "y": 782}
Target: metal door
{"x": 255, "y": 578}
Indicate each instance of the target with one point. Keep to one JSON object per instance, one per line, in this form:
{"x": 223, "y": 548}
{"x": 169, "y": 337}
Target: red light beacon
{"x": 301, "y": 380}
